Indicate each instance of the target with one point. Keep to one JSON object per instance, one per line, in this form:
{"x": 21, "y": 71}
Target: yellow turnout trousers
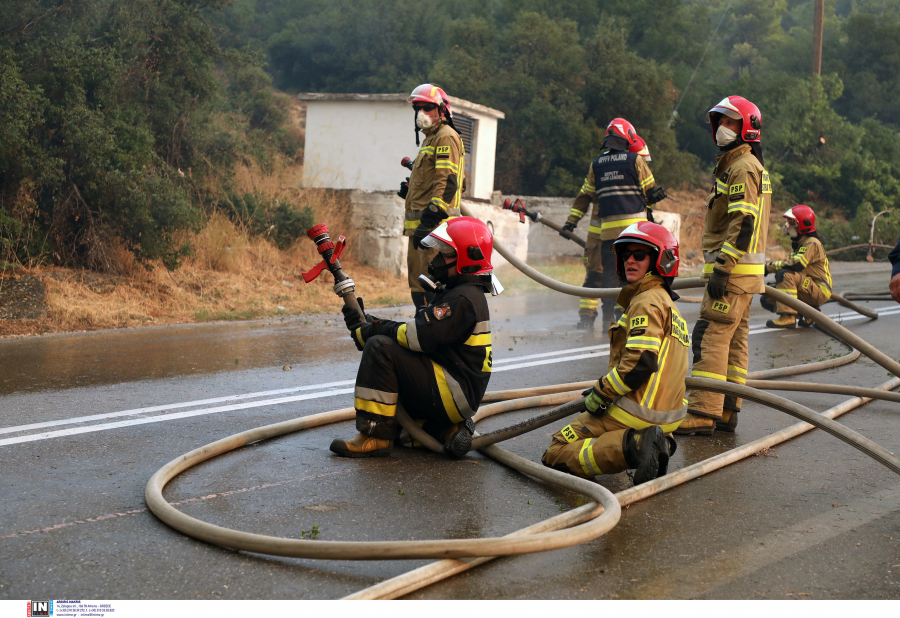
{"x": 719, "y": 344}
{"x": 588, "y": 447}
{"x": 801, "y": 287}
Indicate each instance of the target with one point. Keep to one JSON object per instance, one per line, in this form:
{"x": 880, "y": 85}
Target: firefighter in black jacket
{"x": 437, "y": 365}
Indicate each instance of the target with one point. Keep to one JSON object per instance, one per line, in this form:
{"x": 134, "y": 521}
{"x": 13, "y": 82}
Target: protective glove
{"x": 595, "y": 402}
{"x": 431, "y": 218}
{"x": 360, "y": 331}
{"x": 568, "y": 226}
{"x": 656, "y": 194}
{"x": 718, "y": 281}
{"x": 770, "y": 268}
{"x": 650, "y": 216}
{"x": 404, "y": 188}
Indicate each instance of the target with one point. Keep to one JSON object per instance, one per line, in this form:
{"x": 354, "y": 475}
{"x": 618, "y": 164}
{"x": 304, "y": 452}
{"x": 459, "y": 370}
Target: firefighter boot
{"x": 458, "y": 439}
{"x": 692, "y": 423}
{"x": 728, "y": 422}
{"x": 587, "y": 322}
{"x": 362, "y": 445}
{"x": 805, "y": 322}
{"x": 648, "y": 452}
{"x": 785, "y": 320}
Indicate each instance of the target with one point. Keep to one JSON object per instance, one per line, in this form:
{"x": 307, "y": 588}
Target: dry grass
{"x": 229, "y": 276}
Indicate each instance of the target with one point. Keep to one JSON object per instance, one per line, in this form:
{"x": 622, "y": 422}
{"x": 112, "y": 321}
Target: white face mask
{"x": 791, "y": 231}
{"x": 423, "y": 120}
{"x": 725, "y": 136}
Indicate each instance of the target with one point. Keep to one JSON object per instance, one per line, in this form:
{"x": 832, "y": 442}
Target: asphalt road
{"x": 86, "y": 419}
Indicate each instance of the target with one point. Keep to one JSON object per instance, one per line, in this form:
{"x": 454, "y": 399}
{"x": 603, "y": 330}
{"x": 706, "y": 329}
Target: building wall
{"x": 359, "y": 145}
{"x": 543, "y": 241}
{"x": 486, "y": 147}
{"x": 377, "y": 230}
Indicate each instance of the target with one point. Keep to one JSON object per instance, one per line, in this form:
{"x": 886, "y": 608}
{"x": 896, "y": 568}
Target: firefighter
{"x": 805, "y": 275}
{"x": 641, "y": 398}
{"x": 434, "y": 189}
{"x": 438, "y": 364}
{"x": 734, "y": 244}
{"x": 620, "y": 186}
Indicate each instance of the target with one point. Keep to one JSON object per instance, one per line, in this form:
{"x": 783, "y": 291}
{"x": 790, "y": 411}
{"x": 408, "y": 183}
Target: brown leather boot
{"x": 693, "y": 424}
{"x": 362, "y": 445}
{"x": 728, "y": 422}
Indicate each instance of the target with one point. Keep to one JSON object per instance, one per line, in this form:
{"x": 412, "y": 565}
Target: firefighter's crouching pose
{"x": 806, "y": 274}
{"x": 641, "y": 398}
{"x": 734, "y": 244}
{"x": 620, "y": 186}
{"x": 437, "y": 365}
{"x": 434, "y": 188}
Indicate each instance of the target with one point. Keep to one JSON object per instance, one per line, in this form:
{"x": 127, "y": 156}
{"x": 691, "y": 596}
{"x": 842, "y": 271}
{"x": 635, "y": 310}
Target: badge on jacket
{"x": 442, "y": 311}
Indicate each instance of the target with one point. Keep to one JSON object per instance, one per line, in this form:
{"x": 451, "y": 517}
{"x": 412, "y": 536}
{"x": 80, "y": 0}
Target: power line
{"x": 696, "y": 68}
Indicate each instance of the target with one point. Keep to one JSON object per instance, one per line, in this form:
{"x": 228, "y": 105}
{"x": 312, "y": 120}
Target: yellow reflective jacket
{"x": 437, "y": 175}
{"x": 809, "y": 259}
{"x": 610, "y": 226}
{"x": 737, "y": 220}
{"x": 648, "y": 358}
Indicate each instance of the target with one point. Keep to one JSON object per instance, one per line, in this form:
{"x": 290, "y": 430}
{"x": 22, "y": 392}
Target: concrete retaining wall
{"x": 543, "y": 241}
{"x": 377, "y": 228}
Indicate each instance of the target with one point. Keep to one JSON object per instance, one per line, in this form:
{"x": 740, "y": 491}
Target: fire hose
{"x": 579, "y": 525}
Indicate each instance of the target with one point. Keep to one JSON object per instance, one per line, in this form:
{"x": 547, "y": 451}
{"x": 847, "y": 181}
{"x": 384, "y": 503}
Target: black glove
{"x": 430, "y": 220}
{"x": 568, "y": 226}
{"x": 366, "y": 329}
{"x": 718, "y": 281}
{"x": 656, "y": 194}
{"x": 650, "y": 216}
{"x": 404, "y": 188}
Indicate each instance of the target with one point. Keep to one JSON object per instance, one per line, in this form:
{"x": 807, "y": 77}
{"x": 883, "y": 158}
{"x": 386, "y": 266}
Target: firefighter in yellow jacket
{"x": 806, "y": 275}
{"x": 434, "y": 188}
{"x": 641, "y": 398}
{"x": 620, "y": 185}
{"x": 734, "y": 245}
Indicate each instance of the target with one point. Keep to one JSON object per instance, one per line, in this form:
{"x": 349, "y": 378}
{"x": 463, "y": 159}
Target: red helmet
{"x": 470, "y": 239}
{"x": 620, "y": 127}
{"x": 738, "y": 108}
{"x": 429, "y": 93}
{"x": 656, "y": 237}
{"x": 804, "y": 216}
{"x": 640, "y": 147}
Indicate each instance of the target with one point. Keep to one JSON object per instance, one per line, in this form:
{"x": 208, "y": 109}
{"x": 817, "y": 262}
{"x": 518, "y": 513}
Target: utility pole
{"x": 818, "y": 25}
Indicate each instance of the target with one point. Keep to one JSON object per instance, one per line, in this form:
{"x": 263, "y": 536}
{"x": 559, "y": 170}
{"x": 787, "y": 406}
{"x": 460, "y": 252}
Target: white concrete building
{"x": 356, "y": 141}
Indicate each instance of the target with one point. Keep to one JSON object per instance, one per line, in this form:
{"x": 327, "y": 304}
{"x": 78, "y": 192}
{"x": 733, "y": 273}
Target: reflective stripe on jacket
{"x": 648, "y": 358}
{"x": 437, "y": 176}
{"x": 810, "y": 260}
{"x": 737, "y": 220}
{"x": 454, "y": 332}
{"x": 617, "y": 184}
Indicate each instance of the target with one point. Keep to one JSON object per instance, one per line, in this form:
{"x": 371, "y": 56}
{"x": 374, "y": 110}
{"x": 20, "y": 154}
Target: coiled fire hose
{"x": 577, "y": 526}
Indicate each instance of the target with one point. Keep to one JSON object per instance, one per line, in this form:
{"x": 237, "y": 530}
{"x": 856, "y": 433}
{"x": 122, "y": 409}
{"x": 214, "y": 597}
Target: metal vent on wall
{"x": 467, "y": 127}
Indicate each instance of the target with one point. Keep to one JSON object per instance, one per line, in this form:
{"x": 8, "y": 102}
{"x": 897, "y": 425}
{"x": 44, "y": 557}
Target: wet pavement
{"x": 86, "y": 419}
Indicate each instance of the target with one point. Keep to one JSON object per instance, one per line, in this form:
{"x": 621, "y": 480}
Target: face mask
{"x": 792, "y": 232}
{"x": 725, "y": 136}
{"x": 439, "y": 268}
{"x": 423, "y": 120}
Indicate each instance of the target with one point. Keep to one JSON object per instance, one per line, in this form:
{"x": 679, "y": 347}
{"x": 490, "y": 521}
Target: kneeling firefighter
{"x": 641, "y": 399}
{"x": 806, "y": 275}
{"x": 437, "y": 365}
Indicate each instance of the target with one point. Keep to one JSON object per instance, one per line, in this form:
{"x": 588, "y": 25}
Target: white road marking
{"x": 168, "y": 417}
{"x": 597, "y": 351}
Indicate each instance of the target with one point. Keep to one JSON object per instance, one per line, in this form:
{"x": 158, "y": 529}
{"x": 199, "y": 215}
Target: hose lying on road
{"x": 588, "y": 522}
